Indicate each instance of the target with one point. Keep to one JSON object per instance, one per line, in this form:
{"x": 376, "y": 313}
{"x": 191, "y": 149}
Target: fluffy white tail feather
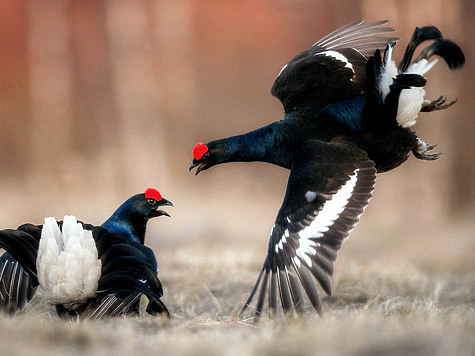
{"x": 67, "y": 263}
{"x": 388, "y": 73}
{"x": 410, "y": 100}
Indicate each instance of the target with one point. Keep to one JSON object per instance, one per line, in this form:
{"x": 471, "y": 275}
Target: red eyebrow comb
{"x": 152, "y": 193}
{"x": 199, "y": 150}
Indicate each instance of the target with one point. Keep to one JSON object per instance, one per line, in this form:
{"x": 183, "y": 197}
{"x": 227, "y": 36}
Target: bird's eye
{"x": 151, "y": 201}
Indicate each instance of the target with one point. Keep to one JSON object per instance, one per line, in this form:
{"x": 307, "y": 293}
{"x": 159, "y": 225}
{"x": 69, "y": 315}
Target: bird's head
{"x": 132, "y": 216}
{"x": 147, "y": 204}
{"x": 207, "y": 155}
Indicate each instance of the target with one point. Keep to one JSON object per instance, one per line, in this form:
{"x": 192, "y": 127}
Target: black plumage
{"x": 347, "y": 116}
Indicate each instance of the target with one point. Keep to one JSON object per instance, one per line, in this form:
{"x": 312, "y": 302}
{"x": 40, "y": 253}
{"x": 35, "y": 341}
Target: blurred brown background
{"x": 102, "y": 99}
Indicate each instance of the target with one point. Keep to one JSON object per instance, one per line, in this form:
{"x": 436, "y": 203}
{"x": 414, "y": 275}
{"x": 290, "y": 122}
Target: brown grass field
{"x": 382, "y": 305}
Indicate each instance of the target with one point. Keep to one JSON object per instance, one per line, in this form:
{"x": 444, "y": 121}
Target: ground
{"x": 377, "y": 308}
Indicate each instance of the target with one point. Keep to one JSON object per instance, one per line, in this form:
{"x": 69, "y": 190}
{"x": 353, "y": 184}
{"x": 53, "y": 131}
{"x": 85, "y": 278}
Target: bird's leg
{"x": 436, "y": 104}
{"x": 421, "y": 148}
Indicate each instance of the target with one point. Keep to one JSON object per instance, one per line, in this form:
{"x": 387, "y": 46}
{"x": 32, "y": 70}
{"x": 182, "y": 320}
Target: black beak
{"x": 193, "y": 164}
{"x": 164, "y": 202}
{"x": 201, "y": 166}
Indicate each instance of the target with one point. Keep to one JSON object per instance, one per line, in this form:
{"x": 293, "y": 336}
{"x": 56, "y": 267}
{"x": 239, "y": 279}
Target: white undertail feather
{"x": 388, "y": 73}
{"x": 67, "y": 263}
{"x": 410, "y": 100}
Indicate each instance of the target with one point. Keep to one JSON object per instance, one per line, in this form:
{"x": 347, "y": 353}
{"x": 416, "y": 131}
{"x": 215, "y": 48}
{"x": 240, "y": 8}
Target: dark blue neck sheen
{"x": 125, "y": 222}
{"x": 267, "y": 144}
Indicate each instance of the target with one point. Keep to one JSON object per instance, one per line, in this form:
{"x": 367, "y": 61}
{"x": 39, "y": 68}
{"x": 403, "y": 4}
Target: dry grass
{"x": 376, "y": 309}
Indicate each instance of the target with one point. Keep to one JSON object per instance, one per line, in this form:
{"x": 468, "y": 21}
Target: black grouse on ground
{"x": 348, "y": 111}
{"x": 85, "y": 270}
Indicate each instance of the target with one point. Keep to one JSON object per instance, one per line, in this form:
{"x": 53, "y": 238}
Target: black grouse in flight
{"x": 348, "y": 113}
{"x": 85, "y": 270}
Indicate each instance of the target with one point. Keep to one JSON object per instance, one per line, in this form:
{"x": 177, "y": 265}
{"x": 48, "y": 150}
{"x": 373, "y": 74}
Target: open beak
{"x": 163, "y": 202}
{"x": 193, "y": 164}
{"x": 200, "y": 165}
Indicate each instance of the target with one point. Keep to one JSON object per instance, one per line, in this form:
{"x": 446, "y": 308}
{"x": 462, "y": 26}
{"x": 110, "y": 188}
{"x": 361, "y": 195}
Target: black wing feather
{"x": 332, "y": 69}
{"x": 128, "y": 271}
{"x": 18, "y": 281}
{"x": 329, "y": 186}
{"x": 23, "y": 247}
{"x": 284, "y": 290}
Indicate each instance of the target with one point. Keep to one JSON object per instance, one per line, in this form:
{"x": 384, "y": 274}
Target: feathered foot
{"x": 420, "y": 151}
{"x": 436, "y": 104}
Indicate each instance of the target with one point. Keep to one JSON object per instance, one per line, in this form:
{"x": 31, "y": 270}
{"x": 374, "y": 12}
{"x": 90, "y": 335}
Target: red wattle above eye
{"x": 152, "y": 193}
{"x": 199, "y": 150}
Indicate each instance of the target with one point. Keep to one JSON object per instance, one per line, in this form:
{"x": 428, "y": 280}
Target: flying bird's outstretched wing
{"x": 329, "y": 186}
{"x": 332, "y": 69}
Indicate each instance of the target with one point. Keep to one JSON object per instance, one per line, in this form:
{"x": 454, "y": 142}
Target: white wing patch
{"x": 67, "y": 263}
{"x": 330, "y": 212}
{"x": 337, "y": 56}
{"x": 310, "y": 196}
{"x": 282, "y": 241}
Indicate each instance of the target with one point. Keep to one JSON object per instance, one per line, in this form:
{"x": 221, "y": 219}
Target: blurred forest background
{"x": 102, "y": 99}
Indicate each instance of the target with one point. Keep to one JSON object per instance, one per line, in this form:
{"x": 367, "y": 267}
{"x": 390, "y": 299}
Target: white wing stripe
{"x": 330, "y": 212}
{"x": 337, "y": 56}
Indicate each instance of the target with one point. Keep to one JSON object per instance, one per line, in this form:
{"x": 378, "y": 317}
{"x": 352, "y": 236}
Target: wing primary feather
{"x": 309, "y": 287}
{"x": 295, "y": 290}
{"x": 362, "y": 37}
{"x": 107, "y": 306}
{"x": 13, "y": 290}
{"x": 366, "y": 46}
{"x": 5, "y": 282}
{"x": 292, "y": 289}
{"x": 24, "y": 290}
{"x": 101, "y": 308}
{"x": 320, "y": 275}
{"x": 132, "y": 301}
{"x": 18, "y": 289}
{"x": 273, "y": 294}
{"x": 324, "y": 263}
{"x": 3, "y": 268}
{"x": 284, "y": 290}
{"x": 328, "y": 252}
{"x": 262, "y": 295}
{"x": 124, "y": 305}
{"x": 355, "y": 30}
{"x": 338, "y": 31}
{"x": 253, "y": 292}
